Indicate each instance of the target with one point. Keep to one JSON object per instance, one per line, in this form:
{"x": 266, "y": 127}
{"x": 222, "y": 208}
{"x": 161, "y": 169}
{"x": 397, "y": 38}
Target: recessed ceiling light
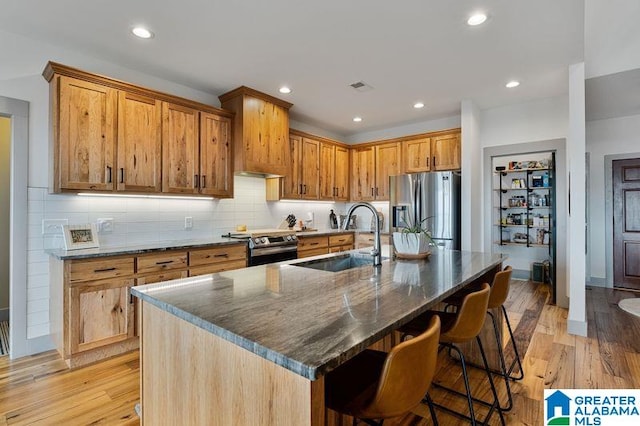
{"x": 512, "y": 84}
{"x": 418, "y": 105}
{"x": 476, "y": 19}
{"x": 357, "y": 119}
{"x": 285, "y": 90}
{"x": 142, "y": 32}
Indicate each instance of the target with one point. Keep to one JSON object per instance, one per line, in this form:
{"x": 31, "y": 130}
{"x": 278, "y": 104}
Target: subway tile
{"x": 38, "y": 268}
{"x": 35, "y": 206}
{"x": 39, "y": 305}
{"x": 73, "y": 205}
{"x": 38, "y": 318}
{"x": 37, "y": 331}
{"x": 36, "y": 194}
{"x": 37, "y": 293}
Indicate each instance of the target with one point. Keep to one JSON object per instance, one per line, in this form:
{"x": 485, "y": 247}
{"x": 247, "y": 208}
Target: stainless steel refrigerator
{"x": 430, "y": 197}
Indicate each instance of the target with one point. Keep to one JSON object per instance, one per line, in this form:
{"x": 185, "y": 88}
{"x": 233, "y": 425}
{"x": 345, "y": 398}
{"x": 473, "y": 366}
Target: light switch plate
{"x": 188, "y": 222}
{"x": 104, "y": 225}
{"x": 53, "y": 226}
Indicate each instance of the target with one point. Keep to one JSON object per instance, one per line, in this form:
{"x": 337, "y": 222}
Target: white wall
{"x": 407, "y": 129}
{"x": 471, "y": 186}
{"x": 612, "y": 36}
{"x": 617, "y": 136}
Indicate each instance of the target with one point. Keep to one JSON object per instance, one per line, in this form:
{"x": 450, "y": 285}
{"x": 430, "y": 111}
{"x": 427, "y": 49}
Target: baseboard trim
{"x": 597, "y": 282}
{"x": 578, "y": 328}
{"x": 4, "y": 314}
{"x": 521, "y": 274}
{"x": 39, "y": 345}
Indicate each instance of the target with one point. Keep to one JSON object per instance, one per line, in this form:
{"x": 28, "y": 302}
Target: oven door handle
{"x": 272, "y": 250}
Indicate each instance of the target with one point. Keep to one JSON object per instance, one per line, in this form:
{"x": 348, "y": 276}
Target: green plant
{"x": 419, "y": 227}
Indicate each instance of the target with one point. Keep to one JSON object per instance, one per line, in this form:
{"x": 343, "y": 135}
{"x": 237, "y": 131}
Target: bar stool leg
{"x": 429, "y": 401}
{"x": 517, "y": 359}
{"x": 503, "y": 366}
{"x": 472, "y": 415}
{"x": 496, "y": 404}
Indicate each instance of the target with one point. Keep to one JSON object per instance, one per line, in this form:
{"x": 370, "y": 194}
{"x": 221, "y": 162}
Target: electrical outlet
{"x": 188, "y": 222}
{"x": 53, "y": 226}
{"x": 105, "y": 225}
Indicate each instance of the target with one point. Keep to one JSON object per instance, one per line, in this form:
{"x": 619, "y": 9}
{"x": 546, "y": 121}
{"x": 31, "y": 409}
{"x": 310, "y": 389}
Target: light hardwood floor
{"x": 40, "y": 390}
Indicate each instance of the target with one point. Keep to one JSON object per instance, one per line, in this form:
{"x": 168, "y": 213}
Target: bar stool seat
{"x": 462, "y": 326}
{"x": 497, "y": 296}
{"x": 374, "y": 385}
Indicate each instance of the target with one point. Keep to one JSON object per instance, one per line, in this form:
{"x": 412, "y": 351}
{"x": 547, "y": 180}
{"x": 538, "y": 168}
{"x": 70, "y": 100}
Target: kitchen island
{"x": 251, "y": 346}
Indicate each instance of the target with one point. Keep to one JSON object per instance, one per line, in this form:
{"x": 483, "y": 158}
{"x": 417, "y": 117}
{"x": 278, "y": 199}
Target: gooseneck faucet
{"x": 376, "y": 252}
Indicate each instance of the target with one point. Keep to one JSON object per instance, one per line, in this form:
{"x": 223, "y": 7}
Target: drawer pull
{"x": 313, "y": 244}
{"x": 104, "y": 270}
{"x": 164, "y": 262}
{"x": 221, "y": 255}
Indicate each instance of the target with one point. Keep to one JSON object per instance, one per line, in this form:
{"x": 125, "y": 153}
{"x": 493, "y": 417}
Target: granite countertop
{"x": 310, "y": 321}
{"x": 320, "y": 232}
{"x": 142, "y": 248}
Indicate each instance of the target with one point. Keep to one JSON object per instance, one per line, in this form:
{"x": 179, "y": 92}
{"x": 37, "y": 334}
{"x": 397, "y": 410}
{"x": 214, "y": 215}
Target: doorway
{"x": 18, "y": 113}
{"x": 5, "y": 189}
{"x": 626, "y": 223}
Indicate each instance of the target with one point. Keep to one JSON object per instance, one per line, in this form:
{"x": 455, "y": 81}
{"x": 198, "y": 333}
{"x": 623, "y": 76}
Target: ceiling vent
{"x": 361, "y": 86}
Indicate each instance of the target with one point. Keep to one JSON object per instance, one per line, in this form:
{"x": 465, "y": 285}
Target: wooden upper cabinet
{"x": 291, "y": 182}
{"x": 334, "y": 172}
{"x": 180, "y": 140}
{"x": 260, "y": 131}
{"x": 216, "y": 176}
{"x": 84, "y": 127}
{"x": 309, "y": 169}
{"x": 341, "y": 174}
{"x": 445, "y": 152}
{"x": 139, "y": 159}
{"x": 363, "y": 174}
{"x": 417, "y": 155}
{"x": 109, "y": 135}
{"x": 387, "y": 164}
{"x": 327, "y": 171}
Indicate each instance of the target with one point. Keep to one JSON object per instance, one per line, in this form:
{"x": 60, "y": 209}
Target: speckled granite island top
{"x": 309, "y": 321}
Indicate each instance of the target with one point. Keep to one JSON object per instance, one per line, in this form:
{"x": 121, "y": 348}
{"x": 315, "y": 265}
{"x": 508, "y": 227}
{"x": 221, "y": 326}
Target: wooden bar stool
{"x": 497, "y": 296}
{"x": 374, "y": 385}
{"x": 462, "y": 326}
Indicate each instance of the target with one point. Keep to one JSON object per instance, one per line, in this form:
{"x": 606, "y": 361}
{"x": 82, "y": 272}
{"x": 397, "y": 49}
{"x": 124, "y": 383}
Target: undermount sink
{"x": 338, "y": 263}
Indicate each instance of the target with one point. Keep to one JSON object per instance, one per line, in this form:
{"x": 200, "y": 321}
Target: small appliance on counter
{"x": 353, "y": 223}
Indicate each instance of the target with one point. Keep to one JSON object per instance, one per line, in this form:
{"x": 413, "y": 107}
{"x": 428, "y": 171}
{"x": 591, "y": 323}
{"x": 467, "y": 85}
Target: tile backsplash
{"x": 148, "y": 220}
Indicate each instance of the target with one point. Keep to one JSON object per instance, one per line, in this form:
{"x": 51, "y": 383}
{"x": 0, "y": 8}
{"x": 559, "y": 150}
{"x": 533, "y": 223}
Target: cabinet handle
{"x": 313, "y": 244}
{"x": 221, "y": 255}
{"x": 434, "y": 161}
{"x": 104, "y": 270}
{"x": 204, "y": 182}
{"x": 372, "y": 194}
{"x": 130, "y": 298}
{"x": 305, "y": 188}
{"x": 376, "y": 191}
{"x": 109, "y": 179}
{"x": 164, "y": 262}
{"x": 196, "y": 181}
{"x": 300, "y": 191}
{"x": 428, "y": 161}
{"x": 121, "y": 174}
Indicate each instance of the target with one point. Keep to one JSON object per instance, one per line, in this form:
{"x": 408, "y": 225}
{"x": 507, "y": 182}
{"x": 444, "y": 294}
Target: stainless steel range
{"x": 269, "y": 245}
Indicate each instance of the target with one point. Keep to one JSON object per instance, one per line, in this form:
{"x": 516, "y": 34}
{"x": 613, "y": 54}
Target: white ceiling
{"x": 409, "y": 50}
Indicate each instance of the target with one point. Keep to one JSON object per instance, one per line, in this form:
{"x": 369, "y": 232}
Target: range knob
{"x": 256, "y": 240}
{"x": 264, "y": 240}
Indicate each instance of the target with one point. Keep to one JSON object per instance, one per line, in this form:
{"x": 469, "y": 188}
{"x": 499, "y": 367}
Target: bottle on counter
{"x": 333, "y": 220}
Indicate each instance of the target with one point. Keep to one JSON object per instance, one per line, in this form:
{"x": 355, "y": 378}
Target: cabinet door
{"x": 387, "y": 164}
{"x": 216, "y": 177}
{"x": 341, "y": 176}
{"x": 363, "y": 174}
{"x": 417, "y": 155}
{"x": 180, "y": 142}
{"x": 327, "y": 171}
{"x": 84, "y": 155}
{"x": 291, "y": 181}
{"x": 309, "y": 169}
{"x": 139, "y": 143}
{"x": 445, "y": 152}
{"x": 100, "y": 313}
{"x": 265, "y": 136}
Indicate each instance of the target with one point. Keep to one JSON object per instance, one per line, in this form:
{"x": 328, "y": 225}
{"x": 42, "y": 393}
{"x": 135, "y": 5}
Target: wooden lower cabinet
{"x": 323, "y": 244}
{"x": 93, "y": 315}
{"x": 365, "y": 239}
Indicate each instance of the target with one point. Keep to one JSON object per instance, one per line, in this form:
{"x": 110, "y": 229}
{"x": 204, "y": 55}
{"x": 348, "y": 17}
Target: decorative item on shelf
{"x": 520, "y": 237}
{"x": 80, "y": 236}
{"x": 413, "y": 241}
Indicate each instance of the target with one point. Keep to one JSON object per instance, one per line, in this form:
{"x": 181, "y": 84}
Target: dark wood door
{"x": 626, "y": 223}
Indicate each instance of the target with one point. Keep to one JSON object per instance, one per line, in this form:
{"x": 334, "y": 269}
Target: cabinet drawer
{"x": 340, "y": 240}
{"x": 162, "y": 262}
{"x": 308, "y": 243}
{"x": 217, "y": 267}
{"x": 337, "y": 249}
{"x": 162, "y": 276}
{"x": 97, "y": 269}
{"x": 312, "y": 252}
{"x": 226, "y": 253}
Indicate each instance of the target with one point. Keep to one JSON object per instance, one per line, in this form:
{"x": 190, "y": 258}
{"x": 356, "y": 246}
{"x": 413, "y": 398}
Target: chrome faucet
{"x": 376, "y": 252}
